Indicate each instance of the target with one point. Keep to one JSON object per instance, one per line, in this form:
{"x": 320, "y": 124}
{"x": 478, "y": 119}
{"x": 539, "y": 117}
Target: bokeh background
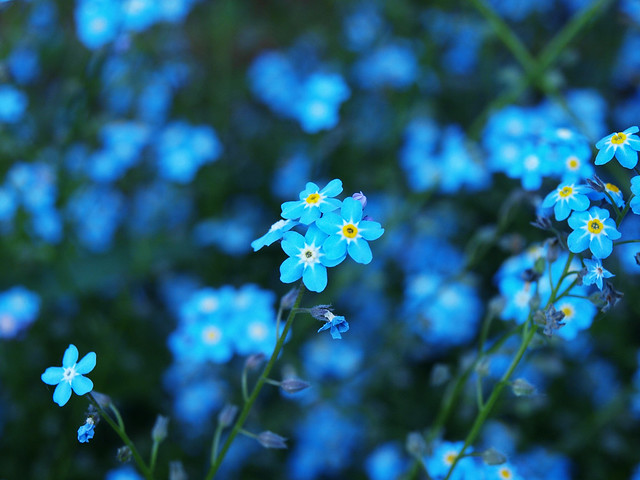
{"x": 145, "y": 143}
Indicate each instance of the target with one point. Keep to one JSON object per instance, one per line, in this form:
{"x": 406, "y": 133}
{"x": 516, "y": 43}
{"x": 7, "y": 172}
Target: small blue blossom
{"x": 306, "y": 259}
{"x": 86, "y": 431}
{"x": 578, "y": 315}
{"x": 501, "y": 472}
{"x": 70, "y": 375}
{"x": 442, "y": 457}
{"x": 624, "y": 145}
{"x": 592, "y": 229}
{"x": 275, "y": 233}
{"x": 348, "y": 233}
{"x": 313, "y": 202}
{"x": 336, "y": 323}
{"x": 13, "y": 104}
{"x": 385, "y": 462}
{"x": 565, "y": 198}
{"x": 595, "y": 272}
{"x": 635, "y": 189}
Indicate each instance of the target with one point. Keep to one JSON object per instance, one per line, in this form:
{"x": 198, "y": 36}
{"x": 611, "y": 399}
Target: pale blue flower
{"x": 70, "y": 375}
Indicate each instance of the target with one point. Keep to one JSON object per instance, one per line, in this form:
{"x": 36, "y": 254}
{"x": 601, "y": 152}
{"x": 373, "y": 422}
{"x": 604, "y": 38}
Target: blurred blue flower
{"x": 578, "y": 315}
{"x": 386, "y": 462}
{"x": 13, "y": 104}
{"x": 19, "y": 308}
{"x": 97, "y": 21}
{"x": 70, "y": 375}
{"x": 439, "y": 461}
{"x": 392, "y": 65}
{"x": 320, "y": 98}
{"x": 24, "y": 64}
{"x": 123, "y": 473}
{"x": 362, "y": 25}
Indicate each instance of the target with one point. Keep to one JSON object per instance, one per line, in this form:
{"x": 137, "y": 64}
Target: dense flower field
{"x": 320, "y": 240}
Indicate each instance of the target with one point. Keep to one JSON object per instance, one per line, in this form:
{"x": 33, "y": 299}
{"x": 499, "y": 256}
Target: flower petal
{"x": 87, "y": 363}
{"x": 605, "y": 155}
{"x": 315, "y": 277}
{"x": 81, "y": 385}
{"x": 290, "y": 270}
{"x": 351, "y": 210}
{"x": 333, "y": 188}
{"x": 360, "y": 251}
{"x": 62, "y": 393}
{"x": 370, "y": 230}
{"x": 70, "y": 356}
{"x": 52, "y": 375}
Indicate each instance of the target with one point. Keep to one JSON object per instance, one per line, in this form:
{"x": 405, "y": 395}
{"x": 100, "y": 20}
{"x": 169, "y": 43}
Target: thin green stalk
{"x": 256, "y": 389}
{"x": 216, "y": 442}
{"x": 119, "y": 429}
{"x": 154, "y": 456}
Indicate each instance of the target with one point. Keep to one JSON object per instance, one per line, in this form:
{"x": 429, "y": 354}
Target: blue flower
{"x": 70, "y": 375}
{"x": 592, "y": 229}
{"x": 336, "y": 323}
{"x": 274, "y": 234}
{"x": 565, "y": 198}
{"x": 635, "y": 189}
{"x": 313, "y": 202}
{"x": 86, "y": 431}
{"x": 306, "y": 259}
{"x": 595, "y": 272}
{"x": 578, "y": 315}
{"x": 348, "y": 233}
{"x": 624, "y": 145}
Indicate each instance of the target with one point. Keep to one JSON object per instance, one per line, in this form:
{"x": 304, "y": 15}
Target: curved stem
{"x": 237, "y": 427}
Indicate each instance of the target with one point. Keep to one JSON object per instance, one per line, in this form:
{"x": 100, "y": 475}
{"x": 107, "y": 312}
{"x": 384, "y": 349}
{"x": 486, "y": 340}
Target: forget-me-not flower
{"x": 336, "y": 324}
{"x": 275, "y": 233}
{"x": 634, "y": 203}
{"x": 87, "y": 430}
{"x": 313, "y": 202}
{"x": 592, "y": 229}
{"x": 70, "y": 375}
{"x": 565, "y": 198}
{"x": 624, "y": 145}
{"x": 307, "y": 259}
{"x": 595, "y": 272}
{"x": 348, "y": 233}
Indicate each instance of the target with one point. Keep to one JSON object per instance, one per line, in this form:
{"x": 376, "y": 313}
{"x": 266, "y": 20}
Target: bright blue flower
{"x": 635, "y": 189}
{"x": 442, "y": 457}
{"x": 612, "y": 190}
{"x": 86, "y": 431}
{"x": 595, "y": 272}
{"x": 624, "y": 145}
{"x": 70, "y": 375}
{"x": 275, "y": 233}
{"x": 337, "y": 324}
{"x": 592, "y": 229}
{"x": 313, "y": 202}
{"x": 123, "y": 473}
{"x": 13, "y": 104}
{"x": 565, "y": 198}
{"x": 348, "y": 233}
{"x": 307, "y": 259}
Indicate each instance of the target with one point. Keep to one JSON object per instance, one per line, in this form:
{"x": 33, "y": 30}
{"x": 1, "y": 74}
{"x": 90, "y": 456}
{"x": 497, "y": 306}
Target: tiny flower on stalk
{"x": 70, "y": 375}
{"x": 313, "y": 202}
{"x": 565, "y": 198}
{"x": 623, "y": 145}
{"x": 86, "y": 431}
{"x": 269, "y": 439}
{"x": 274, "y": 234}
{"x": 595, "y": 272}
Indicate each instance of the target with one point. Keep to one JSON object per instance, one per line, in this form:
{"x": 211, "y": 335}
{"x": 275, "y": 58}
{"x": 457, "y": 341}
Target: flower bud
{"x": 493, "y": 457}
{"x": 176, "y": 471}
{"x": 522, "y": 388}
{"x": 103, "y": 400}
{"x": 123, "y": 454}
{"x": 269, "y": 439}
{"x": 294, "y": 385}
{"x": 416, "y": 445}
{"x": 159, "y": 430}
{"x": 254, "y": 361}
{"x": 227, "y": 415}
{"x": 289, "y": 299}
{"x": 361, "y": 198}
{"x": 319, "y": 312}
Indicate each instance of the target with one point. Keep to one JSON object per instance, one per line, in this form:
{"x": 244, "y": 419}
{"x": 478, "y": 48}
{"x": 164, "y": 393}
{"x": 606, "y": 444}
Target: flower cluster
{"x": 330, "y": 236}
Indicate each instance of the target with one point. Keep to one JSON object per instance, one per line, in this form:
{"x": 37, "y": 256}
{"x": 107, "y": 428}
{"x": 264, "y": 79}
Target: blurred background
{"x": 144, "y": 144}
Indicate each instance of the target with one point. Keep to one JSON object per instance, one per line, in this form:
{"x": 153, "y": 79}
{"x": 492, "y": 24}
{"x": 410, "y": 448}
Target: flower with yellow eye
{"x": 313, "y": 202}
{"x": 592, "y": 229}
{"x": 348, "y": 233}
{"x": 565, "y": 198}
{"x": 624, "y": 145}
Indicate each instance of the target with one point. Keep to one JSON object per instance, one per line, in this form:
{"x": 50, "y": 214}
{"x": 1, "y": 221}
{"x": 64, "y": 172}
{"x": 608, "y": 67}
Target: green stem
{"x": 625, "y": 241}
{"x": 237, "y": 427}
{"x": 119, "y": 429}
{"x": 154, "y": 455}
{"x": 216, "y": 443}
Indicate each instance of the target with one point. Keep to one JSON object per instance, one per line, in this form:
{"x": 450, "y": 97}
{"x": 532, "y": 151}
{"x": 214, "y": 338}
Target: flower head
{"x": 313, "y": 202}
{"x": 275, "y": 233}
{"x": 592, "y": 229}
{"x": 335, "y": 324}
{"x": 595, "y": 272}
{"x": 86, "y": 431}
{"x": 624, "y": 145}
{"x": 70, "y": 375}
{"x": 348, "y": 233}
{"x": 565, "y": 198}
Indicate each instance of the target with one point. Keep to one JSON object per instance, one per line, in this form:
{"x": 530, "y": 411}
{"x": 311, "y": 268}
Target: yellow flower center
{"x": 211, "y": 335}
{"x": 619, "y": 138}
{"x": 568, "y": 312}
{"x": 611, "y": 187}
{"x": 505, "y": 473}
{"x": 350, "y": 230}
{"x": 565, "y": 192}
{"x": 313, "y": 198}
{"x": 573, "y": 163}
{"x": 595, "y": 226}
{"x": 450, "y": 457}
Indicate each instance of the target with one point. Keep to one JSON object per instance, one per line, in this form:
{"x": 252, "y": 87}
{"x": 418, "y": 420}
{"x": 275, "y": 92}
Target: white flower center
{"x": 69, "y": 374}
{"x": 310, "y": 255}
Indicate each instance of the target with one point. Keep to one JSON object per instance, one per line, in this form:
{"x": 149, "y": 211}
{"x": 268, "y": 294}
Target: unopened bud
{"x": 319, "y": 312}
{"x": 289, "y": 299}
{"x": 416, "y": 445}
{"x": 123, "y": 454}
{"x": 159, "y": 430}
{"x": 294, "y": 385}
{"x": 522, "y": 388}
{"x": 176, "y": 471}
{"x": 103, "y": 400}
{"x": 440, "y": 374}
{"x": 269, "y": 439}
{"x": 543, "y": 223}
{"x": 595, "y": 183}
{"x": 254, "y": 361}
{"x": 227, "y": 415}
{"x": 553, "y": 249}
{"x": 361, "y": 198}
{"x": 493, "y": 457}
